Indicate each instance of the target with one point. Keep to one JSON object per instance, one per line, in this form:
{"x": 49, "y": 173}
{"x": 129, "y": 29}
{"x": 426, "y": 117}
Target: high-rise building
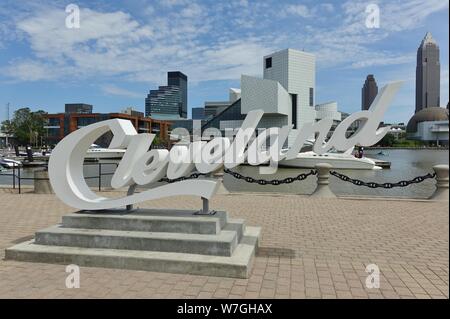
{"x": 170, "y": 101}
{"x": 427, "y": 74}
{"x": 368, "y": 92}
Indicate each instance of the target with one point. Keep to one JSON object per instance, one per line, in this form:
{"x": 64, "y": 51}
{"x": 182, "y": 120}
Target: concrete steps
{"x": 222, "y": 244}
{"x": 154, "y": 240}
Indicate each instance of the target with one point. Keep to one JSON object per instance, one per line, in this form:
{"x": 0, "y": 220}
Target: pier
{"x": 310, "y": 248}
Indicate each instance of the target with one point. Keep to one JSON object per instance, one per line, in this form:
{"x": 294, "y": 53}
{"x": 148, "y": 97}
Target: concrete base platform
{"x": 153, "y": 240}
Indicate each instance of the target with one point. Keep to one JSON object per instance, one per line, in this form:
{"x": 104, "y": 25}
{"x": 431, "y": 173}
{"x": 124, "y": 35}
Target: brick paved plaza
{"x": 310, "y": 248}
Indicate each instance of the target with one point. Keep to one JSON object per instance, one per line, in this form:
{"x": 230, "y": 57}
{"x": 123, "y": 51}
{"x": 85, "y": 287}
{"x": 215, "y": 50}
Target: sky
{"x": 125, "y": 48}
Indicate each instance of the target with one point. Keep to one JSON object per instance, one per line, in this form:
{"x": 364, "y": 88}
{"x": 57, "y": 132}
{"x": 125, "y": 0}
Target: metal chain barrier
{"x": 183, "y": 178}
{"x": 286, "y": 180}
{"x": 358, "y": 182}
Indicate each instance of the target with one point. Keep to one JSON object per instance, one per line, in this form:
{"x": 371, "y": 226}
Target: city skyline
{"x": 120, "y": 55}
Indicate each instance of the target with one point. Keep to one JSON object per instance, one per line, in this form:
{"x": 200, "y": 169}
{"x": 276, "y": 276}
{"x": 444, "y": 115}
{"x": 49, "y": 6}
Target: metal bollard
{"x": 323, "y": 175}
{"x": 222, "y": 189}
{"x": 441, "y": 192}
{"x": 42, "y": 183}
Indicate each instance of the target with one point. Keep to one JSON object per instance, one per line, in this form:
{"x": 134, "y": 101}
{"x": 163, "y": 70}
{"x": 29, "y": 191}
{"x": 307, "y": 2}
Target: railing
{"x": 323, "y": 172}
{"x": 17, "y": 177}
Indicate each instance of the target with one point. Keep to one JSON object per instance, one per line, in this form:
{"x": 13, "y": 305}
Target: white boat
{"x": 9, "y": 163}
{"x": 42, "y": 154}
{"x": 337, "y": 160}
{"x": 96, "y": 151}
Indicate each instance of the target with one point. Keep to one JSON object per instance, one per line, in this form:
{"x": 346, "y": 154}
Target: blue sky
{"x": 125, "y": 48}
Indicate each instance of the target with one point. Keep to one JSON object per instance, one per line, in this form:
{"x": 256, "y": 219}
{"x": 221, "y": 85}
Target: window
{"x": 268, "y": 63}
{"x": 311, "y": 96}
{"x": 294, "y": 110}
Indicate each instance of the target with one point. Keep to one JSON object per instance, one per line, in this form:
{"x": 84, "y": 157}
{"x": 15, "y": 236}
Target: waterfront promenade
{"x": 310, "y": 248}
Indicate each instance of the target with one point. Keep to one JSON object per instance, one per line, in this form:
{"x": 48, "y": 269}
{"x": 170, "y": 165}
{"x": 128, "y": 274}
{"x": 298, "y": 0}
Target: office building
{"x": 368, "y": 92}
{"x": 428, "y": 70}
{"x": 80, "y": 108}
{"x": 198, "y": 113}
{"x": 213, "y": 108}
{"x": 168, "y": 102}
{"x": 60, "y": 125}
{"x": 131, "y": 111}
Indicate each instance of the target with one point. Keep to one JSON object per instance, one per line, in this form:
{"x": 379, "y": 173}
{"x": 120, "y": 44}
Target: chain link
{"x": 303, "y": 176}
{"x": 183, "y": 178}
{"x": 287, "y": 180}
{"x": 358, "y": 182}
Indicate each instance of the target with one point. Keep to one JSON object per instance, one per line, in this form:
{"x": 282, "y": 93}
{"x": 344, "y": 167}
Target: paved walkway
{"x": 310, "y": 248}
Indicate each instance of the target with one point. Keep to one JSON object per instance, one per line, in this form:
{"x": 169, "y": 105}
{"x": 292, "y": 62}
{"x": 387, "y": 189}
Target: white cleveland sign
{"x": 142, "y": 166}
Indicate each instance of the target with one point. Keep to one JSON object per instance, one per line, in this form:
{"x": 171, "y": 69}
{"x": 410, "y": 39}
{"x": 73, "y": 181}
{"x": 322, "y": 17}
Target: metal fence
{"x": 17, "y": 177}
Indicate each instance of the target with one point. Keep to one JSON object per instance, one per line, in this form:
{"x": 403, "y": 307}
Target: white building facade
{"x": 431, "y": 131}
{"x": 296, "y": 72}
{"x": 328, "y": 110}
{"x": 286, "y": 94}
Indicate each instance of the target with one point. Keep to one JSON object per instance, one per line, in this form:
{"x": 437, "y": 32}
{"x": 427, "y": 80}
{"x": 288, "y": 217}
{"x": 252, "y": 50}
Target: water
{"x": 406, "y": 164}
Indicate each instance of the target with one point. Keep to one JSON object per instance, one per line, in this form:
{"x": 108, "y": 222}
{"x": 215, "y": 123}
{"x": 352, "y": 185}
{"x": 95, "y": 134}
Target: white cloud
{"x": 115, "y": 90}
{"x": 352, "y": 44}
{"x": 218, "y": 42}
{"x": 29, "y": 70}
{"x": 383, "y": 60}
{"x": 298, "y": 9}
{"x": 114, "y": 44}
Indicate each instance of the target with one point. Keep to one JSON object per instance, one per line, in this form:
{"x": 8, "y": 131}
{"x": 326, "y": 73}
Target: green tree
{"x": 26, "y": 126}
{"x": 387, "y": 140}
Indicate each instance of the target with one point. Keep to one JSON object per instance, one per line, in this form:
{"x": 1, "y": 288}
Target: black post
{"x": 29, "y": 154}
{"x": 99, "y": 177}
{"x": 18, "y": 174}
{"x": 14, "y": 175}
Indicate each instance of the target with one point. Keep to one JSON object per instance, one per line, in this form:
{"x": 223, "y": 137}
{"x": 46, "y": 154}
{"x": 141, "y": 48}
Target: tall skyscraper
{"x": 368, "y": 92}
{"x": 428, "y": 75}
{"x": 170, "y": 101}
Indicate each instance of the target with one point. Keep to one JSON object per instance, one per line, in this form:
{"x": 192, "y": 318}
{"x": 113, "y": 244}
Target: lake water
{"x": 406, "y": 164}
